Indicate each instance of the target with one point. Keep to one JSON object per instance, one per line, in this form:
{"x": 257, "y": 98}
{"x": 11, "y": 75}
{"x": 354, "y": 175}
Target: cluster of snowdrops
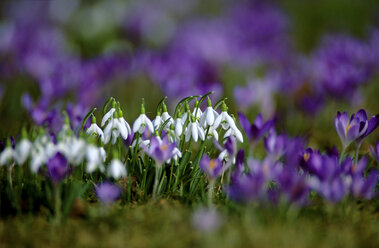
{"x": 191, "y": 153}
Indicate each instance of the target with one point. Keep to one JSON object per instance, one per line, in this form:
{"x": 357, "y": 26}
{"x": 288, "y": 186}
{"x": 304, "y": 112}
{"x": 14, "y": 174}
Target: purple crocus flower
{"x": 211, "y": 167}
{"x": 107, "y": 192}
{"x": 373, "y": 123}
{"x": 57, "y": 167}
{"x": 293, "y": 185}
{"x": 160, "y": 150}
{"x": 275, "y": 144}
{"x": 257, "y": 129}
{"x": 246, "y": 187}
{"x": 350, "y": 129}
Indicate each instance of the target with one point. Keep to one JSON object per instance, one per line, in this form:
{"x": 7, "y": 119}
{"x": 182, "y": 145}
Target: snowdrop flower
{"x": 115, "y": 127}
{"x": 194, "y": 130}
{"x": 176, "y": 155}
{"x": 157, "y": 122}
{"x": 143, "y": 121}
{"x": 95, "y": 157}
{"x": 7, "y": 154}
{"x": 224, "y": 119}
{"x": 166, "y": 117}
{"x": 122, "y": 126}
{"x": 38, "y": 159}
{"x": 209, "y": 115}
{"x": 73, "y": 149}
{"x": 23, "y": 148}
{"x": 117, "y": 169}
{"x": 234, "y": 132}
{"x": 109, "y": 114}
{"x": 22, "y": 151}
{"x": 178, "y": 127}
{"x": 95, "y": 129}
{"x": 212, "y": 133}
{"x": 197, "y": 113}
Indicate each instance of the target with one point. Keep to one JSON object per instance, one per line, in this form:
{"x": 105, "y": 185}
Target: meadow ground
{"x": 168, "y": 224}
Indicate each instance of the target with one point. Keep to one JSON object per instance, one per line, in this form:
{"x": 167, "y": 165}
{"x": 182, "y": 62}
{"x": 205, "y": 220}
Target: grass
{"x": 168, "y": 224}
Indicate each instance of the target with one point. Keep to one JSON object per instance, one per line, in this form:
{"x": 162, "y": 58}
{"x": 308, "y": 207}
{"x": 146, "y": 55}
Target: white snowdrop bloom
{"x": 6, "y": 155}
{"x": 94, "y": 158}
{"x": 212, "y": 133}
{"x": 183, "y": 118}
{"x": 178, "y": 127}
{"x": 109, "y": 114}
{"x": 141, "y": 142}
{"x": 38, "y": 159}
{"x": 224, "y": 119}
{"x": 224, "y": 156}
{"x": 108, "y": 130}
{"x": 195, "y": 131}
{"x": 103, "y": 154}
{"x": 168, "y": 118}
{"x": 141, "y": 123}
{"x": 177, "y": 154}
{"x": 22, "y": 151}
{"x": 72, "y": 148}
{"x": 123, "y": 127}
{"x": 117, "y": 169}
{"x": 235, "y": 132}
{"x": 95, "y": 129}
{"x": 197, "y": 113}
{"x": 209, "y": 115}
{"x": 157, "y": 122}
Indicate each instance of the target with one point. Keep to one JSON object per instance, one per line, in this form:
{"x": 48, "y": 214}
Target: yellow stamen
{"x": 347, "y": 128}
{"x": 212, "y": 164}
{"x": 306, "y": 156}
{"x": 164, "y": 147}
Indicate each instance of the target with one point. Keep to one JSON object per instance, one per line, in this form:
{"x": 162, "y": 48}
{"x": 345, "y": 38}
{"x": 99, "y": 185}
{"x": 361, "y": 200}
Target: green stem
{"x": 343, "y": 153}
{"x": 157, "y": 166}
{"x": 357, "y": 152}
{"x": 57, "y": 203}
{"x": 210, "y": 191}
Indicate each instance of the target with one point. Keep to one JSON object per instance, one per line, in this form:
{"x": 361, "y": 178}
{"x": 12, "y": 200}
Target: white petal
{"x": 108, "y": 132}
{"x": 188, "y": 132}
{"x": 157, "y": 122}
{"x": 201, "y": 133}
{"x": 149, "y": 124}
{"x": 137, "y": 124}
{"x": 6, "y": 155}
{"x": 108, "y": 115}
{"x": 117, "y": 169}
{"x": 178, "y": 128}
{"x": 194, "y": 132}
{"x": 122, "y": 128}
{"x": 210, "y": 116}
{"x": 239, "y": 135}
{"x": 217, "y": 121}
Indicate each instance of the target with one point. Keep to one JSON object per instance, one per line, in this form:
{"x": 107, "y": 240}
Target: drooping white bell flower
{"x": 73, "y": 149}
{"x": 235, "y": 132}
{"x": 95, "y": 159}
{"x": 95, "y": 129}
{"x": 7, "y": 154}
{"x": 209, "y": 115}
{"x": 142, "y": 122}
{"x": 194, "y": 130}
{"x": 197, "y": 113}
{"x": 178, "y": 127}
{"x": 212, "y": 133}
{"x": 122, "y": 126}
{"x": 157, "y": 122}
{"x": 109, "y": 114}
{"x": 117, "y": 169}
{"x": 224, "y": 119}
{"x": 23, "y": 148}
